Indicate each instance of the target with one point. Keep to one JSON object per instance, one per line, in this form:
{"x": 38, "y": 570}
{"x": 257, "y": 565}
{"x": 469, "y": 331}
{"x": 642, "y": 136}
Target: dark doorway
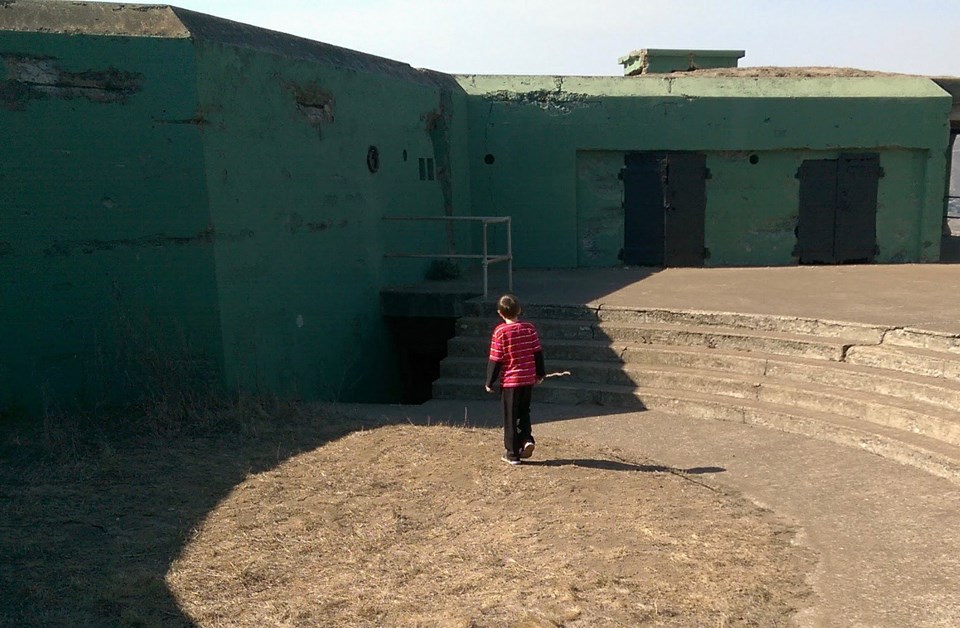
{"x": 838, "y": 210}
{"x": 664, "y": 203}
{"x": 421, "y": 344}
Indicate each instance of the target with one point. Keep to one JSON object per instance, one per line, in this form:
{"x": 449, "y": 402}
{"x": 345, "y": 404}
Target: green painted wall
{"x": 299, "y": 279}
{"x": 202, "y": 195}
{"x": 212, "y": 206}
{"x": 599, "y": 208}
{"x": 555, "y": 141}
{"x": 106, "y": 254}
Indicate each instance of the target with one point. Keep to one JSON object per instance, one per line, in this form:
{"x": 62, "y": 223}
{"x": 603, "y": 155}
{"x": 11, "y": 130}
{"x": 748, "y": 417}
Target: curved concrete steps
{"x": 893, "y": 392}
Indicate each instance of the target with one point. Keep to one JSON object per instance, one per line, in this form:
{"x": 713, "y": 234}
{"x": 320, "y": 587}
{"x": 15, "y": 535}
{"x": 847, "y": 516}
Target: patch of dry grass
{"x": 424, "y": 526}
{"x": 94, "y": 509}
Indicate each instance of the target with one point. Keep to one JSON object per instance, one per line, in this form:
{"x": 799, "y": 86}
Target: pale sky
{"x": 586, "y": 37}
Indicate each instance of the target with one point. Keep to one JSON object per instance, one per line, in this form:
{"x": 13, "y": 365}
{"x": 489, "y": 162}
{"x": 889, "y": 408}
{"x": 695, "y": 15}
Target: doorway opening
{"x": 837, "y": 221}
{"x": 664, "y": 204}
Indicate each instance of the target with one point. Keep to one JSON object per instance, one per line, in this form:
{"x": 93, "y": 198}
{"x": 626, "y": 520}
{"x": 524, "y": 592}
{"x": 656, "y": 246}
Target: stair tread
{"x": 859, "y": 425}
{"x": 917, "y": 351}
{"x": 694, "y": 329}
{"x": 862, "y": 396}
{"x": 620, "y": 346}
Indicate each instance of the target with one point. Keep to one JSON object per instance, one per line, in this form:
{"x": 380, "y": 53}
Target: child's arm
{"x": 541, "y": 369}
{"x": 493, "y": 362}
{"x": 493, "y": 372}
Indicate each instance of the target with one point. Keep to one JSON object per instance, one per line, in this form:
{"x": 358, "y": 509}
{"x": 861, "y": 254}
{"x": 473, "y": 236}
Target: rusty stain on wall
{"x": 295, "y": 223}
{"x": 66, "y": 248}
{"x": 197, "y": 120}
{"x": 786, "y": 224}
{"x": 437, "y": 125}
{"x": 31, "y": 77}
{"x": 316, "y": 105}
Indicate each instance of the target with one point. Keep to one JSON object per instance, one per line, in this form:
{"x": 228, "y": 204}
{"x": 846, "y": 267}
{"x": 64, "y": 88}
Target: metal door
{"x": 838, "y": 209}
{"x": 855, "y": 239}
{"x": 643, "y": 201}
{"x": 664, "y": 202}
{"x": 685, "y": 204}
{"x": 818, "y": 201}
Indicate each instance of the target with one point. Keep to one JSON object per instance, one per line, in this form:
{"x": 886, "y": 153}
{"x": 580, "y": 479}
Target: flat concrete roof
{"x": 918, "y": 296}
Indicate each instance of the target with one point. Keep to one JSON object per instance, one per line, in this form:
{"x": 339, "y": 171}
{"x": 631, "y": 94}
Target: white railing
{"x": 486, "y": 258}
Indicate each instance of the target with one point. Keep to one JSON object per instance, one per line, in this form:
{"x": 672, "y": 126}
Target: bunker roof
{"x": 165, "y": 21}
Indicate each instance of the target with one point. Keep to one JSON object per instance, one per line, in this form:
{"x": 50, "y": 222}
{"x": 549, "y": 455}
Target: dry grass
{"x": 424, "y": 526}
{"x": 94, "y": 509}
{"x": 272, "y": 515}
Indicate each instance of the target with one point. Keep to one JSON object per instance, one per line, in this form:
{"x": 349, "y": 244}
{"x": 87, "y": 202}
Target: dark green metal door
{"x": 837, "y": 220}
{"x": 685, "y": 206}
{"x": 858, "y": 177}
{"x": 643, "y": 216}
{"x": 818, "y": 201}
{"x": 664, "y": 202}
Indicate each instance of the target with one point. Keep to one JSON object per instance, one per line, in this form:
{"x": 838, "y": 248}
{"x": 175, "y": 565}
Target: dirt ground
{"x": 410, "y": 525}
{"x": 313, "y": 515}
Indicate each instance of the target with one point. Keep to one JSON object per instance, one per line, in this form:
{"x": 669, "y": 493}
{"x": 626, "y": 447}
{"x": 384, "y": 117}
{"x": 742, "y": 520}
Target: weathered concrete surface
{"x": 91, "y": 18}
{"x": 924, "y": 296}
{"x": 886, "y": 534}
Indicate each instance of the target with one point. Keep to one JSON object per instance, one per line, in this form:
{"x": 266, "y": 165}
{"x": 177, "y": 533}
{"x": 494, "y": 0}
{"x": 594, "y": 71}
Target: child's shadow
{"x": 615, "y": 465}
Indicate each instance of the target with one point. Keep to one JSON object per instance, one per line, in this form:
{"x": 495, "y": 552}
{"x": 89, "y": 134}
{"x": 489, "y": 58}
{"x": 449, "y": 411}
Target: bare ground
{"x": 425, "y": 526}
{"x": 314, "y": 516}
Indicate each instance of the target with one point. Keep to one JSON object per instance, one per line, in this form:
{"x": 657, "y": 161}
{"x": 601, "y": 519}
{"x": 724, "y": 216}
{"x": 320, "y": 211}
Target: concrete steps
{"x": 894, "y": 392}
{"x": 768, "y": 341}
{"x": 899, "y": 412}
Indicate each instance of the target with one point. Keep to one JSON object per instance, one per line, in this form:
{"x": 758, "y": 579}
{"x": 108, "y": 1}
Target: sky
{"x": 587, "y": 37}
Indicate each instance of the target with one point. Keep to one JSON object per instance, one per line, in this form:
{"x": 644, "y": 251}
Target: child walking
{"x": 517, "y": 359}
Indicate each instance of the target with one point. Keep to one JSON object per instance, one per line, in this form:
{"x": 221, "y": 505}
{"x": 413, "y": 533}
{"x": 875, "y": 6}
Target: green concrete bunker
{"x": 222, "y": 194}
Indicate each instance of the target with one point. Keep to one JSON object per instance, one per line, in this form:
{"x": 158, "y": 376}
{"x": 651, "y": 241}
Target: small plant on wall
{"x": 443, "y": 269}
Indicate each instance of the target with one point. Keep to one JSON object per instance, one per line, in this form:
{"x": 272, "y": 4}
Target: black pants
{"x": 516, "y": 417}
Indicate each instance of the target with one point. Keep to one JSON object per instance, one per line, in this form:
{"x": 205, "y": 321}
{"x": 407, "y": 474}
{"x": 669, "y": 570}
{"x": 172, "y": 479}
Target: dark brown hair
{"x": 509, "y": 306}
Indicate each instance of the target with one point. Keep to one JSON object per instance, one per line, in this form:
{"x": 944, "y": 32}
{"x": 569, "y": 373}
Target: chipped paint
{"x": 66, "y": 248}
{"x": 294, "y": 224}
{"x": 31, "y": 77}
{"x": 556, "y": 102}
{"x": 316, "y": 105}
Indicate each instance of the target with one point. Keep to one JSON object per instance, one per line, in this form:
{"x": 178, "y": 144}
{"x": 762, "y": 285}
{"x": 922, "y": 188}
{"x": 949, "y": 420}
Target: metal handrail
{"x": 486, "y": 258}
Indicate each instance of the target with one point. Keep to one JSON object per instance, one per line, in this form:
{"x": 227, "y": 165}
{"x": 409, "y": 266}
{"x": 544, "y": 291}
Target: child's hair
{"x": 508, "y": 306}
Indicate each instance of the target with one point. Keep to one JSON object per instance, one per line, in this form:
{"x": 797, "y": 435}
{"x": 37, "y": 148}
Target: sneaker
{"x": 527, "y": 450}
{"x": 510, "y": 458}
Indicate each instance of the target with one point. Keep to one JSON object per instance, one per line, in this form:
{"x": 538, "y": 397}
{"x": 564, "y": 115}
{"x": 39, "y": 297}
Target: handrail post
{"x": 485, "y": 260}
{"x": 510, "y": 253}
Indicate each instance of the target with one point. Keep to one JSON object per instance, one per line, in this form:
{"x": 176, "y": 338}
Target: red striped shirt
{"x": 513, "y": 345}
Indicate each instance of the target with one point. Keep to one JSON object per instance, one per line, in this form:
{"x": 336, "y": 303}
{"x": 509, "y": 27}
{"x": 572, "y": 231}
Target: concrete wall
{"x": 209, "y": 204}
{"x": 286, "y": 143}
{"x": 186, "y": 193}
{"x": 106, "y": 241}
{"x": 557, "y": 144}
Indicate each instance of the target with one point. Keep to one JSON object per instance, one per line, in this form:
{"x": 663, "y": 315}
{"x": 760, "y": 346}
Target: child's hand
{"x": 540, "y": 380}
{"x": 489, "y": 390}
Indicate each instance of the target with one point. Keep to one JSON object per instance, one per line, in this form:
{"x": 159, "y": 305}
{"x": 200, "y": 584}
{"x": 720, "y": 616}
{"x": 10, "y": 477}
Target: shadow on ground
{"x": 89, "y": 527}
{"x": 614, "y": 465}
{"x": 90, "y": 524}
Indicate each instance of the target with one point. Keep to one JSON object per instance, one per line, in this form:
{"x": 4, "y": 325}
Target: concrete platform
{"x": 925, "y": 296}
{"x": 887, "y": 534}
